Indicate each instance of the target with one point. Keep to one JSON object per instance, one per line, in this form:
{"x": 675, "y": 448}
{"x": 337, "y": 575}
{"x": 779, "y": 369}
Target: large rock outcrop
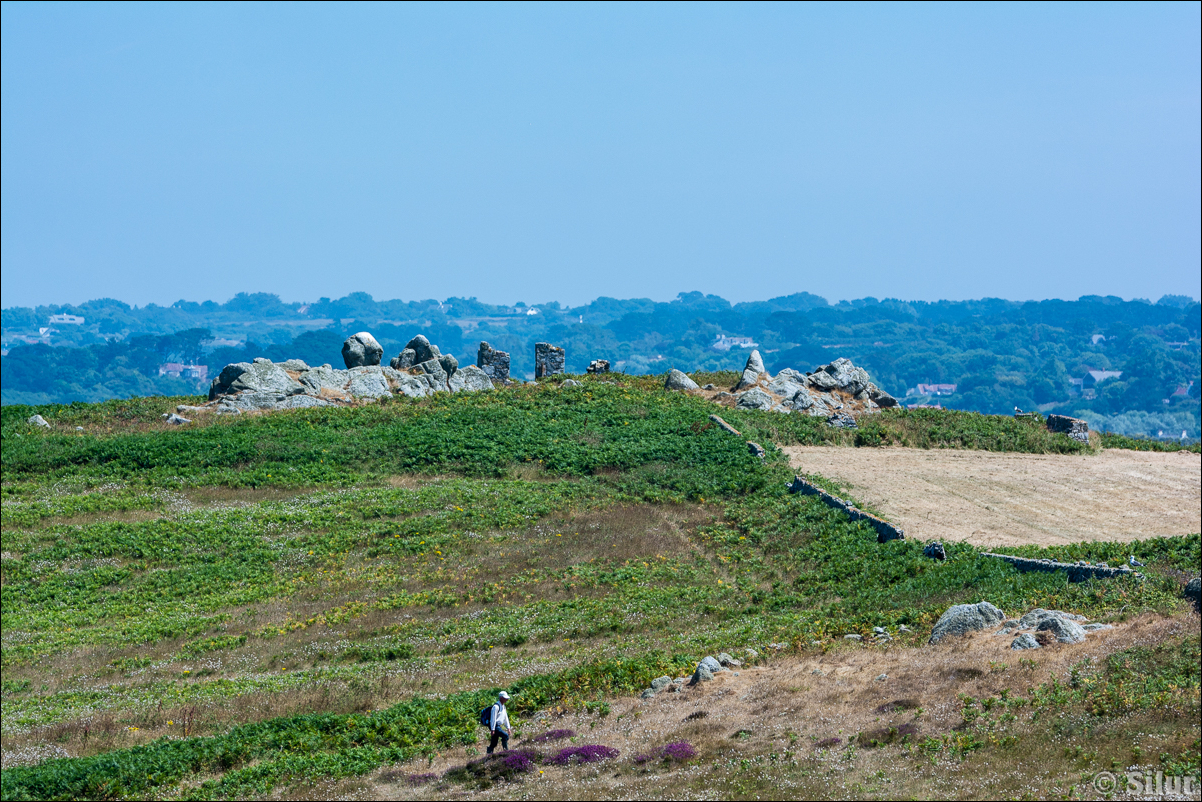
{"x": 420, "y": 370}
{"x": 676, "y": 380}
{"x": 361, "y": 350}
{"x": 837, "y": 390}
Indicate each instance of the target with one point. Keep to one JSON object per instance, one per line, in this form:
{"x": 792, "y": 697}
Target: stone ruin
{"x": 494, "y": 363}
{"x": 548, "y": 360}
{"x": 598, "y": 366}
{"x": 837, "y": 391}
{"x": 1075, "y": 428}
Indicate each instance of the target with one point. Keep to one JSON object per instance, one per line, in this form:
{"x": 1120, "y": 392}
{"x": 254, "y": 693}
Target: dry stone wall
{"x": 885, "y": 531}
{"x": 1075, "y": 428}
{"x": 1077, "y": 572}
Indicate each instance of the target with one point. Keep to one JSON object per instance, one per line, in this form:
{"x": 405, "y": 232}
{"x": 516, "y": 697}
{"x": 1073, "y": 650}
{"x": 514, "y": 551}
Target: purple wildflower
{"x": 552, "y": 735}
{"x": 590, "y": 753}
{"x": 420, "y": 779}
{"x": 517, "y": 762}
{"x": 679, "y": 751}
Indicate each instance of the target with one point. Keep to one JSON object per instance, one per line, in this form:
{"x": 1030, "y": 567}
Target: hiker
{"x": 498, "y": 723}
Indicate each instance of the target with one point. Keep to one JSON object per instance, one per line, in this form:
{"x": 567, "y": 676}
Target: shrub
{"x": 675, "y": 752}
{"x": 552, "y": 735}
{"x": 590, "y": 753}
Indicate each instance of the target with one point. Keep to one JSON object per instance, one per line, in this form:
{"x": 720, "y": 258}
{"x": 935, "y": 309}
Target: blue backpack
{"x": 486, "y": 715}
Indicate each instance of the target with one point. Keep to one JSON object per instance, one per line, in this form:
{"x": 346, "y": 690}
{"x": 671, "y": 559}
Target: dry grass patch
{"x": 756, "y": 729}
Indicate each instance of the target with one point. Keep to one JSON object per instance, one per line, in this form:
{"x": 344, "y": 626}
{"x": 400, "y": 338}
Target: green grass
{"x": 377, "y": 558}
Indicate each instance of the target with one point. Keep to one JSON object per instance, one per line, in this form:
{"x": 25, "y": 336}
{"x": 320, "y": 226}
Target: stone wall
{"x": 885, "y": 531}
{"x": 1075, "y": 428}
{"x": 548, "y": 360}
{"x": 1077, "y": 572}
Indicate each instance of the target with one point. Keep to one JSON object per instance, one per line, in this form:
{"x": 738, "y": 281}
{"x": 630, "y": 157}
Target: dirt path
{"x": 992, "y": 499}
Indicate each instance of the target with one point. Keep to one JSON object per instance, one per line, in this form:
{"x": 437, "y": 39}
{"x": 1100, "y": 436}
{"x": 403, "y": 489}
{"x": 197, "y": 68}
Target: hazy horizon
{"x": 528, "y": 302}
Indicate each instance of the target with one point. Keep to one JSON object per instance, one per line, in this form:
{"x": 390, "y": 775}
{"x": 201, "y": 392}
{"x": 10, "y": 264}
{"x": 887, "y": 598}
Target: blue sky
{"x": 563, "y": 152}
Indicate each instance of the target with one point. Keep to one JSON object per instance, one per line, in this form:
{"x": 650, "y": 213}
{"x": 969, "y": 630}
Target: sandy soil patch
{"x": 992, "y": 499}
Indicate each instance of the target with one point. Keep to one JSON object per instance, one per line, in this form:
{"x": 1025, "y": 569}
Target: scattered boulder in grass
{"x": 756, "y": 450}
{"x": 712, "y": 664}
{"x": 724, "y": 426}
{"x": 678, "y": 380}
{"x": 38, "y": 420}
{"x": 361, "y": 350}
{"x": 174, "y": 419}
{"x": 702, "y": 674}
{"x": 960, "y": 619}
{"x": 935, "y": 551}
{"x": 1063, "y": 630}
{"x": 841, "y": 420}
{"x": 659, "y": 683}
{"x": 1033, "y": 619}
{"x": 729, "y": 661}
{"x": 1193, "y": 590}
{"x": 1024, "y": 641}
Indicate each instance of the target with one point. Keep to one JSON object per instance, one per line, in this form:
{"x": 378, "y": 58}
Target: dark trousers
{"x": 502, "y": 736}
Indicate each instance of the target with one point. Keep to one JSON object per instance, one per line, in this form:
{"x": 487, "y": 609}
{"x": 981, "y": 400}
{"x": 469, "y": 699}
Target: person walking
{"x": 498, "y": 723}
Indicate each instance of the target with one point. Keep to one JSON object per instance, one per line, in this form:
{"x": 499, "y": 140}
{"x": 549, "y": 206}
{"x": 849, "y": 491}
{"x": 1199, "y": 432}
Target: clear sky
{"x": 562, "y": 152}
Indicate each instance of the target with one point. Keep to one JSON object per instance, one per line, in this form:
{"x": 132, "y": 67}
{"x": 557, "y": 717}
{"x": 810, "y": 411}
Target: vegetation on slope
{"x": 177, "y": 602}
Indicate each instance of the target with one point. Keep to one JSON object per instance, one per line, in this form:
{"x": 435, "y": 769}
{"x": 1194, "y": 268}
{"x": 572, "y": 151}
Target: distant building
{"x": 1098, "y": 338}
{"x": 724, "y": 343}
{"x": 1095, "y": 377}
{"x": 532, "y": 311}
{"x": 924, "y": 406}
{"x": 1183, "y": 390}
{"x": 70, "y": 320}
{"x": 936, "y": 389}
{"x": 181, "y": 371}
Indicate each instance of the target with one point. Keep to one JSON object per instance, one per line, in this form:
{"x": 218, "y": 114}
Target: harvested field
{"x": 1006, "y": 499}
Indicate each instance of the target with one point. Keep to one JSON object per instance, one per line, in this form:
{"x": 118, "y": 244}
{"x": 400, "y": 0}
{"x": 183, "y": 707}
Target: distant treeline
{"x": 999, "y": 354}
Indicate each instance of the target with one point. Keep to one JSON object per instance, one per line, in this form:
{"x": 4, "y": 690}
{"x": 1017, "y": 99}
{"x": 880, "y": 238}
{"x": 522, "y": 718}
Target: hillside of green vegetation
{"x": 244, "y": 605}
{"x": 998, "y": 354}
